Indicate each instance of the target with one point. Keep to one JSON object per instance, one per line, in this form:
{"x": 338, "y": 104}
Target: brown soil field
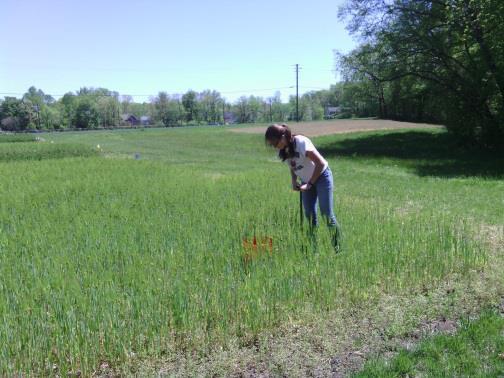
{"x": 317, "y": 128}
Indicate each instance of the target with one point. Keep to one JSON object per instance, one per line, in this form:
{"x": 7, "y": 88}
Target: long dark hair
{"x": 275, "y": 132}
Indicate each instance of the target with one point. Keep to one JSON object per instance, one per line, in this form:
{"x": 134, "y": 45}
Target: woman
{"x": 307, "y": 164}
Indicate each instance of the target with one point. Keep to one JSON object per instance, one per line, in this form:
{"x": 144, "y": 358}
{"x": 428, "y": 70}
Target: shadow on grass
{"x": 427, "y": 153}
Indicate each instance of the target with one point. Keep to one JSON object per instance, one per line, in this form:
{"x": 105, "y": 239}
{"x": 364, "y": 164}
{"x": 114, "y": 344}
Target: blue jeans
{"x": 322, "y": 191}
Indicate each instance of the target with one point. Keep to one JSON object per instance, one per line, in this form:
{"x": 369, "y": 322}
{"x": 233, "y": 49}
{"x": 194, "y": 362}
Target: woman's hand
{"x": 305, "y": 187}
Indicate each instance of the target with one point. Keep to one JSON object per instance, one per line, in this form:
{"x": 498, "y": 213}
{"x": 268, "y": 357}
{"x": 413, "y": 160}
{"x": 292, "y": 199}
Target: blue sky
{"x": 143, "y": 47}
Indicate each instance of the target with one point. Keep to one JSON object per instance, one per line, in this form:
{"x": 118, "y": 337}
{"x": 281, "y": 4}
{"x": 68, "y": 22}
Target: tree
{"x": 248, "y": 109}
{"x": 16, "y": 115}
{"x": 255, "y": 109}
{"x": 331, "y": 96}
{"x": 68, "y": 104}
{"x": 190, "y": 105}
{"x": 108, "y": 108}
{"x": 313, "y": 104}
{"x": 50, "y": 117}
{"x": 166, "y": 110}
{"x": 37, "y": 97}
{"x": 86, "y": 114}
{"x": 40, "y": 102}
{"x": 126, "y": 101}
{"x": 369, "y": 64}
{"x": 279, "y": 111}
{"x": 242, "y": 110}
{"x": 139, "y": 110}
{"x": 210, "y": 106}
{"x": 448, "y": 47}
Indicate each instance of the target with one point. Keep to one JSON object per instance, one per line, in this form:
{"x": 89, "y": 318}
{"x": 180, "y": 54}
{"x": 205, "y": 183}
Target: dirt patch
{"x": 312, "y": 129}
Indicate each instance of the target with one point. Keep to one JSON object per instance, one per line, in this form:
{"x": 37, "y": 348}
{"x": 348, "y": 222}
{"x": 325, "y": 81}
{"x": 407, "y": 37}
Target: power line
{"x": 202, "y": 68}
{"x": 319, "y": 69}
{"x": 321, "y": 88}
{"x": 149, "y": 95}
{"x": 258, "y": 90}
{"x": 180, "y": 70}
{"x": 297, "y": 68}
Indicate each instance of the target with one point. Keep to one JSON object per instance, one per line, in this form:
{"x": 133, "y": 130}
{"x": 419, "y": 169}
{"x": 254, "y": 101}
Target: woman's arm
{"x": 295, "y": 185}
{"x": 319, "y": 166}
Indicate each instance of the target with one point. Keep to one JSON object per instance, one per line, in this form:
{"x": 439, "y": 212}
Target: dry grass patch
{"x": 312, "y": 129}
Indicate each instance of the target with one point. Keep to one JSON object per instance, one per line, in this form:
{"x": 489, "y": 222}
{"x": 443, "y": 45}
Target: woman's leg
{"x": 324, "y": 186}
{"x": 310, "y": 205}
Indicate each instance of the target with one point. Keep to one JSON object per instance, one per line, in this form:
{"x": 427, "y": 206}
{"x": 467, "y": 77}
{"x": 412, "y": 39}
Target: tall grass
{"x": 15, "y": 138}
{"x": 101, "y": 259}
{"x": 40, "y": 151}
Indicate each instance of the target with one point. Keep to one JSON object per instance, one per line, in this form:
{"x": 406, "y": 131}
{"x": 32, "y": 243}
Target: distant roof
{"x": 126, "y": 117}
{"x": 333, "y": 108}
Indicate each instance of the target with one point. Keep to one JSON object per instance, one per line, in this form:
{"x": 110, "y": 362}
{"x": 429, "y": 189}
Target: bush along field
{"x": 124, "y": 249}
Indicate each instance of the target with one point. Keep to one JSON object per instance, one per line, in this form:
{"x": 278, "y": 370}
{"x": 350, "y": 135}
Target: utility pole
{"x": 297, "y": 92}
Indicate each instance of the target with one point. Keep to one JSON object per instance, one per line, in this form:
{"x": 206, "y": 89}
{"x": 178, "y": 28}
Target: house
{"x": 332, "y": 111}
{"x": 129, "y": 119}
{"x": 229, "y": 117}
{"x": 145, "y": 120}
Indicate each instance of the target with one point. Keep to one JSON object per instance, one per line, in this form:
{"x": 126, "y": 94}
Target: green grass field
{"x": 121, "y": 245}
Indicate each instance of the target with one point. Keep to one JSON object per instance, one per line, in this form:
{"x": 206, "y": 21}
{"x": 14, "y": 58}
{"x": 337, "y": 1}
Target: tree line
{"x": 91, "y": 108}
{"x": 436, "y": 61}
